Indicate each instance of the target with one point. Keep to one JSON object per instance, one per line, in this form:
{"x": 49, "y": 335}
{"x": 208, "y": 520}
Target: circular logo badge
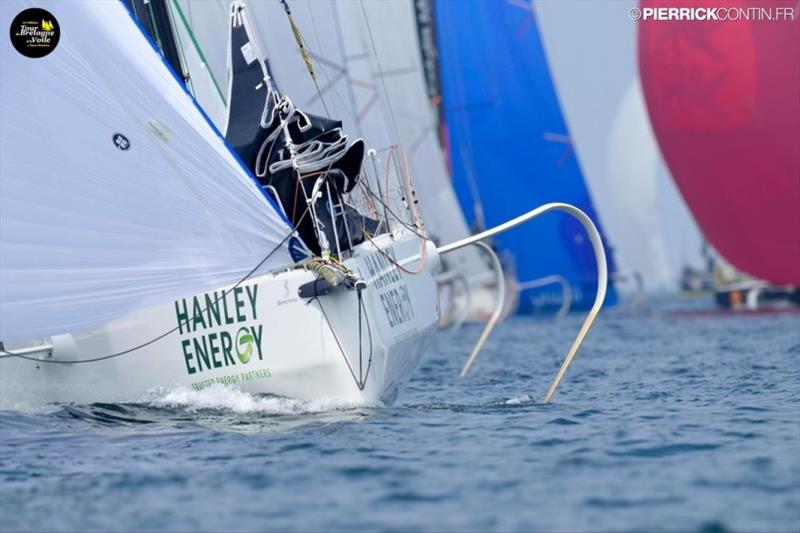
{"x": 35, "y": 32}
{"x": 244, "y": 345}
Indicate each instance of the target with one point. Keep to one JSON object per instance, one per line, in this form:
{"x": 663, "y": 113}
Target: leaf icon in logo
{"x": 244, "y": 345}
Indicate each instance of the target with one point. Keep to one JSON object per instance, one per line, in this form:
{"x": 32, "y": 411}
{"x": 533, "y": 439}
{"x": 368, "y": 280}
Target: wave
{"x": 224, "y": 398}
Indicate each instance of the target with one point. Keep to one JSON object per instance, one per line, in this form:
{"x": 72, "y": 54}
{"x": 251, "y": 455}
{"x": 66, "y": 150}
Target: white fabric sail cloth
{"x": 338, "y": 38}
{"x": 387, "y": 112}
{"x": 89, "y": 231}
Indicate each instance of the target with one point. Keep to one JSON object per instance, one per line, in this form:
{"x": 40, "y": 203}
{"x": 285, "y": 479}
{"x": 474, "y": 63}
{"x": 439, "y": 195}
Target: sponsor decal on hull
{"x": 392, "y": 290}
{"x": 220, "y": 331}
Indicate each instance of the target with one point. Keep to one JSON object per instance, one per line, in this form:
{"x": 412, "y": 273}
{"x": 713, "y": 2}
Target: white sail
{"x": 115, "y": 192}
{"x": 338, "y": 38}
{"x": 201, "y": 65}
{"x": 591, "y": 52}
{"x": 392, "y": 26}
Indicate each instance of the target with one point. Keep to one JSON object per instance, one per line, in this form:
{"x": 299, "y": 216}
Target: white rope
{"x": 309, "y": 156}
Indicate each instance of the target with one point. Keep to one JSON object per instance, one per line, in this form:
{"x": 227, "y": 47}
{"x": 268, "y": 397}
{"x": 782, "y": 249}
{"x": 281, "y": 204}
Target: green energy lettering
{"x": 206, "y": 347}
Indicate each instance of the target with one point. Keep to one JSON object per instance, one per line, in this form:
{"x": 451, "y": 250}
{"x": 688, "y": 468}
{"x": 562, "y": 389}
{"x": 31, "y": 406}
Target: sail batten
{"x": 116, "y": 191}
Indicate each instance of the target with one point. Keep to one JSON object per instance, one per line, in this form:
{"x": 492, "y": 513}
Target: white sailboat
{"x": 124, "y": 245}
{"x": 379, "y": 94}
{"x": 138, "y": 252}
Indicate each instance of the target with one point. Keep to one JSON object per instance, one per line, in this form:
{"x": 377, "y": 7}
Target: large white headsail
{"x": 115, "y": 191}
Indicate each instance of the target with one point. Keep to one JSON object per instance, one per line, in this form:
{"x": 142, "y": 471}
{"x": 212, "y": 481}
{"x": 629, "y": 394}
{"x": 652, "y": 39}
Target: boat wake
{"x": 218, "y": 407}
{"x": 227, "y": 399}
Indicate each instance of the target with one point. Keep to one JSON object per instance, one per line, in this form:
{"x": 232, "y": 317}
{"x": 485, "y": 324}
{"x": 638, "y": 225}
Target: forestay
{"x": 117, "y": 193}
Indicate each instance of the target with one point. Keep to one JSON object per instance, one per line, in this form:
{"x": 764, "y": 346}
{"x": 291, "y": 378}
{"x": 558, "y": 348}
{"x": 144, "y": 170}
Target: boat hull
{"x": 261, "y": 338}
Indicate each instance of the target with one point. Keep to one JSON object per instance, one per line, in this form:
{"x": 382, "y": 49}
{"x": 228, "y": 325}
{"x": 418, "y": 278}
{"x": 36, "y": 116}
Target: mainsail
{"x": 116, "y": 191}
{"x": 509, "y": 146}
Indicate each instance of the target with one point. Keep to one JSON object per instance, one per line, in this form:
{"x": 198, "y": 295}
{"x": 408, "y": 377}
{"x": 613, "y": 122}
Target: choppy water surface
{"x": 665, "y": 422}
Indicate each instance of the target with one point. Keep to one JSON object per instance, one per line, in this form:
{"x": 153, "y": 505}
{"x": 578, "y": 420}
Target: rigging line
{"x": 422, "y": 256}
{"x": 6, "y": 354}
{"x": 340, "y": 38}
{"x": 410, "y": 228}
{"x": 370, "y": 204}
{"x": 187, "y": 76}
{"x": 157, "y": 35}
{"x": 406, "y": 189}
{"x": 380, "y": 75}
{"x": 359, "y": 384}
{"x": 321, "y": 99}
{"x": 198, "y": 49}
{"x": 298, "y": 37}
{"x": 343, "y": 71}
{"x": 369, "y": 334}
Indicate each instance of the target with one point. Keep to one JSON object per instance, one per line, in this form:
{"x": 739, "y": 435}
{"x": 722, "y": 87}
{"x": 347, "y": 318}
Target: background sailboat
{"x": 596, "y": 76}
{"x": 509, "y": 146}
{"x": 723, "y": 100}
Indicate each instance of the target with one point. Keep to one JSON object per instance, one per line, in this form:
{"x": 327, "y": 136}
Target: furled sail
{"x": 509, "y": 146}
{"x": 116, "y": 192}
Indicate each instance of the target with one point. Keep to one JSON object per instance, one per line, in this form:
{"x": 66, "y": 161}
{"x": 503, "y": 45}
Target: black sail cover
{"x": 258, "y": 124}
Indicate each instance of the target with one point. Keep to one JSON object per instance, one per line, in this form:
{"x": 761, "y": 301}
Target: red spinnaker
{"x": 724, "y": 101}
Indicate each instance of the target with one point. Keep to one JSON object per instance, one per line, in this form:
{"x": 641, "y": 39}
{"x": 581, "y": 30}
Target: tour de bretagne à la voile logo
{"x": 35, "y": 32}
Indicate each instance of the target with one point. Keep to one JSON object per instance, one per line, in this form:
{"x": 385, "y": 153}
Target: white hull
{"x": 475, "y": 302}
{"x": 295, "y": 349}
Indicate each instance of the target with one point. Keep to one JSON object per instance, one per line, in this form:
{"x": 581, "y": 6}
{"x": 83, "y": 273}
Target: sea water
{"x": 666, "y": 421}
